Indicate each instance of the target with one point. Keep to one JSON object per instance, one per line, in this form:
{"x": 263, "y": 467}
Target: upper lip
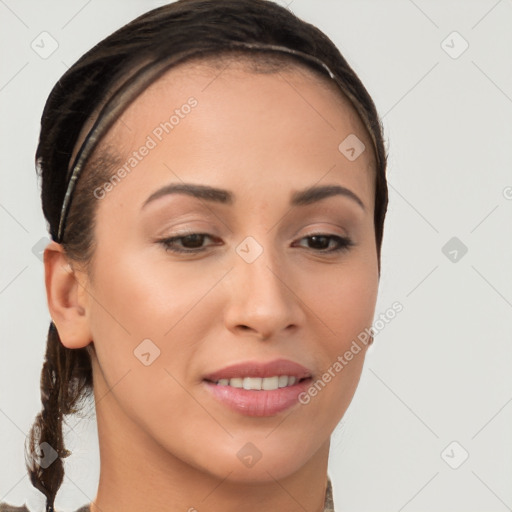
{"x": 260, "y": 369}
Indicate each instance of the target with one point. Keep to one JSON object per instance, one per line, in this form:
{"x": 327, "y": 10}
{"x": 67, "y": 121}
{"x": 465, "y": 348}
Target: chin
{"x": 260, "y": 460}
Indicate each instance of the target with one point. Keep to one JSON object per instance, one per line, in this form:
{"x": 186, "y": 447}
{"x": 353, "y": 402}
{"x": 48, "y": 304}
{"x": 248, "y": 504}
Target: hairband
{"x": 140, "y": 80}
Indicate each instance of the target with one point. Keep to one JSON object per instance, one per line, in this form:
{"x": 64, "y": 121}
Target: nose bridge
{"x": 260, "y": 266}
{"x": 261, "y": 296}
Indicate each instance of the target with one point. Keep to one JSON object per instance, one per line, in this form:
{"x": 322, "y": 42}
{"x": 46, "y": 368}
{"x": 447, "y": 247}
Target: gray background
{"x": 440, "y": 371}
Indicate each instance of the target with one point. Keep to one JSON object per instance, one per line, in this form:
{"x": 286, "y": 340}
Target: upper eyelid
{"x": 342, "y": 244}
{"x": 177, "y": 237}
{"x": 186, "y": 233}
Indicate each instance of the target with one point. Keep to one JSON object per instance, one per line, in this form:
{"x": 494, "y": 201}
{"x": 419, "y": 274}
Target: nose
{"x": 261, "y": 301}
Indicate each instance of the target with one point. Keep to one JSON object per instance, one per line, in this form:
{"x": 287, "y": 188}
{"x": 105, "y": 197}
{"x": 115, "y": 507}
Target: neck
{"x": 137, "y": 473}
{"x": 136, "y": 487}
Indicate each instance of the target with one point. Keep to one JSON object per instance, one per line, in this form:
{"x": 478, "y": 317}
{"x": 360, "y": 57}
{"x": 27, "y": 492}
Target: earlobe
{"x": 67, "y": 298}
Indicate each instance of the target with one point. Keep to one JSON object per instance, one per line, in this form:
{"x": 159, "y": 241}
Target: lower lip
{"x": 256, "y": 402}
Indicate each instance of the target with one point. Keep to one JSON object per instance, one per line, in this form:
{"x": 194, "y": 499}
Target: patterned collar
{"x": 328, "y": 503}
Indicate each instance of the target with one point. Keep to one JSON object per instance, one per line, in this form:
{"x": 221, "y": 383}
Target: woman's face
{"x": 266, "y": 287}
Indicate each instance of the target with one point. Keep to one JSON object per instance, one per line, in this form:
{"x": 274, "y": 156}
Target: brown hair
{"x": 209, "y": 25}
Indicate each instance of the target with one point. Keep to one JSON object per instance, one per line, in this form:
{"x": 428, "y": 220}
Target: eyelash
{"x": 344, "y": 243}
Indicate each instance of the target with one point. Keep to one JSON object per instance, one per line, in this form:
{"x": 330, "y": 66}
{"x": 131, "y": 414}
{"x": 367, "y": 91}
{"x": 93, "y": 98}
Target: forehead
{"x": 276, "y": 111}
{"x": 210, "y": 77}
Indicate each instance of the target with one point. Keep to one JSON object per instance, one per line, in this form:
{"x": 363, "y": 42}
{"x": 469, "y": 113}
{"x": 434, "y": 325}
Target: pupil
{"x": 194, "y": 239}
{"x": 322, "y": 239}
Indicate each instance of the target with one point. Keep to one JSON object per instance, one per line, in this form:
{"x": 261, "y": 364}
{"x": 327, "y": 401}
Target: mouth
{"x": 259, "y": 389}
{"x": 261, "y": 383}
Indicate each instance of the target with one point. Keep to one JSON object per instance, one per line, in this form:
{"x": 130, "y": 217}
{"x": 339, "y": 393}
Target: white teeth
{"x": 270, "y": 383}
{"x": 236, "y": 382}
{"x": 283, "y": 381}
{"x": 259, "y": 383}
{"x": 252, "y": 383}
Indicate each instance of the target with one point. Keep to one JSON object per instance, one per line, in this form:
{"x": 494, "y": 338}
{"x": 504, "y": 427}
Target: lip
{"x": 259, "y": 369}
{"x": 259, "y": 403}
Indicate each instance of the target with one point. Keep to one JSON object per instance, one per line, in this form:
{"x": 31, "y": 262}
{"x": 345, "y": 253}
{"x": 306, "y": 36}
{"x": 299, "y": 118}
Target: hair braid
{"x": 65, "y": 378}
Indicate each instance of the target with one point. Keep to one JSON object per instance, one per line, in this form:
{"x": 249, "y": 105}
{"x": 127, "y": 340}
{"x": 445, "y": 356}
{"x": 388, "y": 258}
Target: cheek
{"x": 137, "y": 294}
{"x": 147, "y": 321}
{"x": 344, "y": 303}
{"x": 136, "y": 300}
{"x": 344, "y": 299}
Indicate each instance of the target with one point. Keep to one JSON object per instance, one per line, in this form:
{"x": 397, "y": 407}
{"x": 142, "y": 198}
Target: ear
{"x": 67, "y": 297}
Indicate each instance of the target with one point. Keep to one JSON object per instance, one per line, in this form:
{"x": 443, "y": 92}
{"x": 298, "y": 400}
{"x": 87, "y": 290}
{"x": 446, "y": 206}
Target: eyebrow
{"x": 300, "y": 198}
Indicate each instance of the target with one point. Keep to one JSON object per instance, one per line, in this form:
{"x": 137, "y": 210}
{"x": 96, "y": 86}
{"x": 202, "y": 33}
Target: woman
{"x": 213, "y": 177}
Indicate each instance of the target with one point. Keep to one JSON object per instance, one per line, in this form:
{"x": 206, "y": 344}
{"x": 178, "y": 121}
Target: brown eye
{"x": 321, "y": 242}
{"x": 194, "y": 243}
{"x": 190, "y": 243}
